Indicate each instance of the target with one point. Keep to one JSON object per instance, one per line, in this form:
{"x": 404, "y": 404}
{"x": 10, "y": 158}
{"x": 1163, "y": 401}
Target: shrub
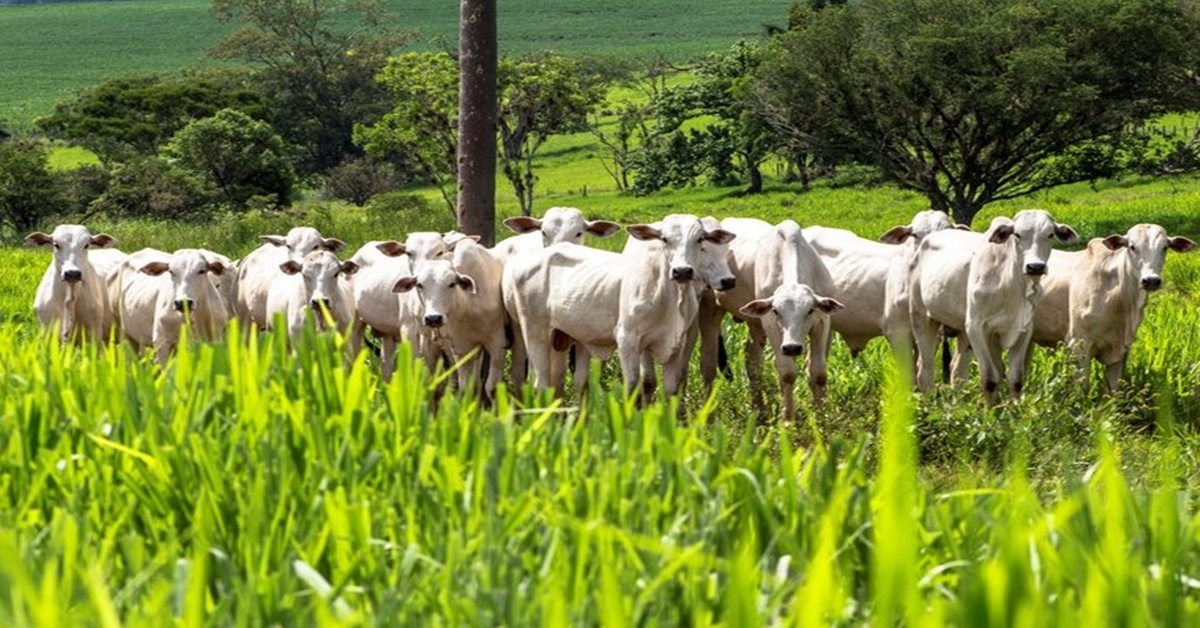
{"x": 29, "y": 191}
{"x": 359, "y": 178}
{"x": 153, "y": 188}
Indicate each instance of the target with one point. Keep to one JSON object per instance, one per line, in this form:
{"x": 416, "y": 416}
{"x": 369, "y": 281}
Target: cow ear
{"x": 828, "y": 305}
{"x": 720, "y": 236}
{"x": 523, "y": 224}
{"x": 602, "y": 228}
{"x": 1181, "y": 244}
{"x": 1114, "y": 242}
{"x": 404, "y": 284}
{"x": 216, "y": 268}
{"x": 644, "y": 232}
{"x": 896, "y": 235}
{"x": 333, "y": 245}
{"x": 1066, "y": 234}
{"x": 1000, "y": 233}
{"x": 349, "y": 268}
{"x": 466, "y": 283}
{"x": 37, "y": 238}
{"x": 102, "y": 241}
{"x": 290, "y": 267}
{"x": 154, "y": 269}
{"x": 273, "y": 239}
{"x": 757, "y": 309}
{"x": 391, "y": 248}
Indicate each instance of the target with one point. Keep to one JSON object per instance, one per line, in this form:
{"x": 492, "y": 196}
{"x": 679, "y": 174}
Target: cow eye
{"x": 811, "y": 310}
{"x": 1132, "y": 248}
{"x": 56, "y": 247}
{"x": 579, "y": 235}
{"x": 202, "y": 271}
{"x": 419, "y": 286}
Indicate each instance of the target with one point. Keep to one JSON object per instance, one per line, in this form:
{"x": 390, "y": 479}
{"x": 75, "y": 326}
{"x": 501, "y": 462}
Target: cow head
{"x": 923, "y": 224}
{"x": 439, "y": 286}
{"x": 422, "y": 246}
{"x": 562, "y": 224}
{"x": 793, "y": 307}
{"x": 714, "y": 259}
{"x": 320, "y": 271}
{"x": 300, "y": 241}
{"x": 1031, "y": 231}
{"x": 682, "y": 235}
{"x": 189, "y": 269}
{"x": 1146, "y": 247}
{"x": 71, "y": 243}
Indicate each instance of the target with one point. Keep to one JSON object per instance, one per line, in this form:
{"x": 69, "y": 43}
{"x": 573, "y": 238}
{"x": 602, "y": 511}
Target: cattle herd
{"x": 539, "y": 293}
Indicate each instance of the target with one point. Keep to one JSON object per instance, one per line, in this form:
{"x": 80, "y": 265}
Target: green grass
{"x": 51, "y": 50}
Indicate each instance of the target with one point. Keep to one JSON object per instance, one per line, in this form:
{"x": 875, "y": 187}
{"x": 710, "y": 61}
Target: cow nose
{"x": 792, "y": 349}
{"x": 319, "y": 303}
{"x": 728, "y": 283}
{"x": 182, "y": 304}
{"x": 682, "y": 273}
{"x": 1153, "y": 282}
{"x": 1035, "y": 269}
{"x": 434, "y": 320}
{"x": 72, "y": 275}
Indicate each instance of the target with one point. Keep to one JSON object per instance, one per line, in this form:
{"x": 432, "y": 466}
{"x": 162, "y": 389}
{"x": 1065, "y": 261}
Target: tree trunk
{"x": 477, "y": 109}
{"x": 756, "y": 179}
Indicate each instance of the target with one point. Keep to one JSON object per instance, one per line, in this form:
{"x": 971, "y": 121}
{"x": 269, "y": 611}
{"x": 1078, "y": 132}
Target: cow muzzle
{"x": 727, "y": 283}
{"x": 1151, "y": 283}
{"x": 1035, "y": 269}
{"x": 683, "y": 274}
{"x": 792, "y": 349}
{"x": 72, "y": 276}
{"x": 318, "y": 304}
{"x": 434, "y": 320}
{"x": 184, "y": 305}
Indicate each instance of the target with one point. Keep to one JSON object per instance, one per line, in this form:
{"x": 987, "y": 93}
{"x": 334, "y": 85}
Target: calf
{"x": 159, "y": 292}
{"x": 637, "y": 302}
{"x": 986, "y": 285}
{"x": 1094, "y": 300}
{"x": 73, "y": 292}
{"x": 261, "y": 268}
{"x": 314, "y": 286}
{"x": 763, "y": 259}
{"x": 390, "y": 318}
{"x": 462, "y": 305}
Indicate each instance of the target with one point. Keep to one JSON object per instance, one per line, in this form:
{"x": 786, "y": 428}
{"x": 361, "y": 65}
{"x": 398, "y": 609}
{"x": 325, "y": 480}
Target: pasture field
{"x": 247, "y": 484}
{"x": 53, "y": 49}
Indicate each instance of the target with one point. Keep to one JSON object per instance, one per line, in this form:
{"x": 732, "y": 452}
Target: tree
{"x": 968, "y": 101}
{"x": 540, "y": 97}
{"x": 420, "y": 133}
{"x": 240, "y": 156}
{"x": 477, "y": 108}
{"x": 318, "y": 60}
{"x": 29, "y": 190}
{"x": 137, "y": 114}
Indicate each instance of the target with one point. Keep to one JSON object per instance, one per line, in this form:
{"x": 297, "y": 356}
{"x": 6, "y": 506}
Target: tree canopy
{"x": 968, "y": 101}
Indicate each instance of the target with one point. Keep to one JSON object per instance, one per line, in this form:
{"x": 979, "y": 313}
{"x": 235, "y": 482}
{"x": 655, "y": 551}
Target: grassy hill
{"x": 51, "y": 50}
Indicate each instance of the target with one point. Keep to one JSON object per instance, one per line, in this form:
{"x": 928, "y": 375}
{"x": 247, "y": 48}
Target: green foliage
{"x": 420, "y": 133}
{"x": 359, "y": 178}
{"x": 29, "y": 191}
{"x": 140, "y": 113}
{"x": 237, "y": 155}
{"x": 966, "y": 101}
{"x": 154, "y": 188}
{"x": 317, "y": 62}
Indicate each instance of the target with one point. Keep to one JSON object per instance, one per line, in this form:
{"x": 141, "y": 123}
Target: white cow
{"x": 462, "y": 305}
{"x": 261, "y": 268}
{"x": 159, "y": 291}
{"x": 985, "y": 284}
{"x": 558, "y": 224}
{"x": 765, "y": 258}
{"x": 636, "y": 302}
{"x": 73, "y": 290}
{"x": 226, "y": 282}
{"x": 390, "y": 318}
{"x": 315, "y": 286}
{"x": 1094, "y": 300}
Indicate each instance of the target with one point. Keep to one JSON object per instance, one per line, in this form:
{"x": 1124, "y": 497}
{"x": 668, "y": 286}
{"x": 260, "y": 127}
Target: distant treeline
{"x": 8, "y": 2}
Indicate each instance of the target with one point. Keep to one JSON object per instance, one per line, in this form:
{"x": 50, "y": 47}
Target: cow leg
{"x": 354, "y": 342}
{"x": 675, "y": 369}
{"x": 539, "y": 353}
{"x": 819, "y": 339}
{"x": 1018, "y": 361}
{"x": 787, "y": 369}
{"x": 583, "y": 365}
{"x": 925, "y": 333}
{"x": 520, "y": 363}
{"x": 649, "y": 379}
{"x": 387, "y": 358}
{"x": 631, "y": 360}
{"x": 708, "y": 324}
{"x": 1113, "y": 371}
{"x": 495, "y": 368}
{"x": 960, "y": 366}
{"x": 987, "y": 353}
{"x": 756, "y": 339}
